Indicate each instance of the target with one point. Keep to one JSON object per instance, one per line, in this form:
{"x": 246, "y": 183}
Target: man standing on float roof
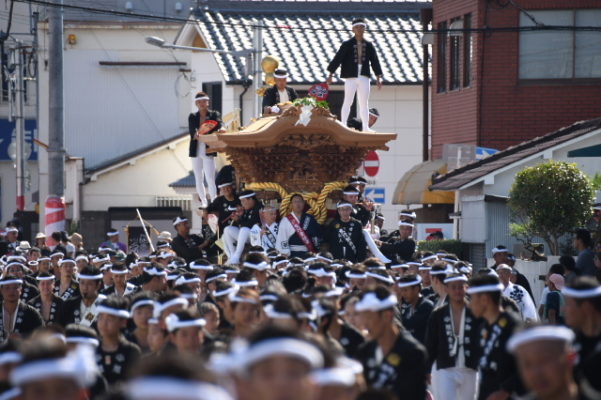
{"x": 357, "y": 57}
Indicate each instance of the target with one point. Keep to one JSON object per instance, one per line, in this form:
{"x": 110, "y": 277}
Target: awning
{"x": 412, "y": 188}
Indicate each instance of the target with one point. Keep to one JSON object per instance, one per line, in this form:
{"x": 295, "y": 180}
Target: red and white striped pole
{"x": 54, "y": 215}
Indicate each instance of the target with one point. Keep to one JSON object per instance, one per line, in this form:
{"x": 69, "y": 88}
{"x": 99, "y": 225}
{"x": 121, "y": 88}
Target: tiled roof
{"x": 185, "y": 182}
{"x": 306, "y": 53}
{"x": 478, "y": 169}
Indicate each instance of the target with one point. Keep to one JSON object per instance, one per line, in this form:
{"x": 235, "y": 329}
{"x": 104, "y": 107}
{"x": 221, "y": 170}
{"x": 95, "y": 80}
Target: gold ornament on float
{"x": 269, "y": 64}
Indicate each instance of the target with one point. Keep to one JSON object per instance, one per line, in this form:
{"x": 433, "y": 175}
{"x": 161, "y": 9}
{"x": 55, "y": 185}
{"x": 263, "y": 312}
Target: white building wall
{"x": 138, "y": 183}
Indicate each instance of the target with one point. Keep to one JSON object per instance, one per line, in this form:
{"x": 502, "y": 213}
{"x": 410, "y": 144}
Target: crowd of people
{"x": 291, "y": 310}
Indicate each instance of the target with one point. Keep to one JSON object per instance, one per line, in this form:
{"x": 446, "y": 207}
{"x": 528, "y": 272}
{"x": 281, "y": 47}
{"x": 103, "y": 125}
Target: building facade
{"x": 495, "y": 88}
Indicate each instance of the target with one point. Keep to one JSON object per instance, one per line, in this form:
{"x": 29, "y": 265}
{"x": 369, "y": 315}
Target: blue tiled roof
{"x": 185, "y": 182}
{"x": 306, "y": 53}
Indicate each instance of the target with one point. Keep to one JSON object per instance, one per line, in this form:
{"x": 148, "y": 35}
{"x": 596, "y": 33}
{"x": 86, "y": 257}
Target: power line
{"x": 538, "y": 27}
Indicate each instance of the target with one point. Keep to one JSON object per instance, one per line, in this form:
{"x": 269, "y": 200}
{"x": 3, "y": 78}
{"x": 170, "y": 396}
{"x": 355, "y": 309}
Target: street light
{"x": 253, "y": 67}
{"x": 160, "y": 42}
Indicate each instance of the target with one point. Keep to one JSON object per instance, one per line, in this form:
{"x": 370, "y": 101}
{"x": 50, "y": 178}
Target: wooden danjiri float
{"x": 302, "y": 149}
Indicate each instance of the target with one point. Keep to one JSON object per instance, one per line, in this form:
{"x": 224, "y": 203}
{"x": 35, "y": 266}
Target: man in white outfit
{"x": 357, "y": 57}
{"x": 518, "y": 294}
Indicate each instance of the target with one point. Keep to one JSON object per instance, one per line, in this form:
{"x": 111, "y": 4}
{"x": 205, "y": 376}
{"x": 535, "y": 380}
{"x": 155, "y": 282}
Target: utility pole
{"x": 19, "y": 125}
{"x": 56, "y": 122}
{"x": 258, "y": 56}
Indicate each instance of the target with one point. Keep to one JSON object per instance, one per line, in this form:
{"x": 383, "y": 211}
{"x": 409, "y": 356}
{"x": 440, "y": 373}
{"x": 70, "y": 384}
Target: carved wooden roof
{"x": 298, "y": 157}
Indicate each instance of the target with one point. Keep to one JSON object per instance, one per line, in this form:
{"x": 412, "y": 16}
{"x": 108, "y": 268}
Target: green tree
{"x": 549, "y": 200}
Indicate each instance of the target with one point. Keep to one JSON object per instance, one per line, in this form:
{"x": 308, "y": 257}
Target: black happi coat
{"x": 350, "y": 339}
{"x": 27, "y": 320}
{"x": 404, "y": 249}
{"x": 28, "y": 291}
{"x": 115, "y": 364}
{"x": 402, "y": 371}
{"x": 56, "y": 309}
{"x": 361, "y": 214}
{"x": 589, "y": 365}
{"x": 347, "y": 56}
{"x": 498, "y": 369}
{"x": 313, "y": 230}
{"x": 72, "y": 311}
{"x": 71, "y": 292}
{"x": 250, "y": 217}
{"x": 417, "y": 321}
{"x": 187, "y": 248}
{"x": 223, "y": 208}
{"x": 346, "y": 241}
{"x": 272, "y": 96}
{"x": 194, "y": 124}
{"x": 441, "y": 341}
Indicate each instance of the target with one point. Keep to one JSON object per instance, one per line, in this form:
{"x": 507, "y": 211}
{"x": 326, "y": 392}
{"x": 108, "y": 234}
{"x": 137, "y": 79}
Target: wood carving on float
{"x": 304, "y": 148}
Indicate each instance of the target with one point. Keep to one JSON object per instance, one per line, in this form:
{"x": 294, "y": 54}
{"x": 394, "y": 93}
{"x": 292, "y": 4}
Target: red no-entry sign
{"x": 371, "y": 164}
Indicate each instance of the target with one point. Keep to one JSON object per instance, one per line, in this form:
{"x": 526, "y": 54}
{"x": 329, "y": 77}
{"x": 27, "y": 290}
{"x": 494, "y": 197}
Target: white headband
{"x": 283, "y": 346}
{"x": 338, "y": 376}
{"x": 155, "y": 272}
{"x": 262, "y": 266}
{"x": 417, "y": 281}
{"x": 560, "y": 333}
{"x": 371, "y": 303}
{"x": 498, "y": 250}
{"x": 79, "y": 365}
{"x": 45, "y": 278}
{"x": 202, "y": 267}
{"x": 10, "y": 357}
{"x": 252, "y": 282}
{"x": 142, "y": 303}
{"x": 387, "y": 279}
{"x": 399, "y": 266}
{"x": 351, "y": 193}
{"x": 340, "y": 205}
{"x": 178, "y": 301}
{"x": 277, "y": 76}
{"x": 504, "y": 267}
{"x": 251, "y": 194}
{"x": 460, "y": 278}
{"x": 432, "y": 257}
{"x": 582, "y": 293}
{"x": 273, "y": 314}
{"x": 276, "y": 263}
{"x": 403, "y": 223}
{"x": 353, "y": 275}
{"x": 225, "y": 184}
{"x": 112, "y": 311}
{"x": 179, "y": 220}
{"x": 359, "y": 24}
{"x": 11, "y": 281}
{"x": 225, "y": 292}
{"x": 11, "y": 394}
{"x": 424, "y": 268}
{"x": 202, "y": 98}
{"x": 214, "y": 278}
{"x": 485, "y": 288}
{"x": 90, "y": 277}
{"x": 268, "y": 297}
{"x": 83, "y": 340}
{"x": 234, "y": 298}
{"x": 57, "y": 254}
{"x": 112, "y": 233}
{"x": 119, "y": 272}
{"x": 66, "y": 261}
{"x": 82, "y": 257}
{"x": 174, "y": 323}
{"x": 154, "y": 388}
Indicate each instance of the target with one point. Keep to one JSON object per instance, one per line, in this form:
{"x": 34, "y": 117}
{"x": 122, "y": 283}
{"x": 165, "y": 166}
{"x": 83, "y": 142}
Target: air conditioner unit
{"x": 129, "y": 5}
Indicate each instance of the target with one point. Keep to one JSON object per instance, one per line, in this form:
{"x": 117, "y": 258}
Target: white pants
{"x": 234, "y": 239}
{"x": 204, "y": 166}
{"x": 359, "y": 85}
{"x": 455, "y": 383}
{"x": 373, "y": 248}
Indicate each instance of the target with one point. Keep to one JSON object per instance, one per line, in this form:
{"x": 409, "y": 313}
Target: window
{"x": 560, "y": 54}
{"x": 454, "y": 50}
{"x": 213, "y": 89}
{"x": 467, "y": 50}
{"x": 442, "y": 57}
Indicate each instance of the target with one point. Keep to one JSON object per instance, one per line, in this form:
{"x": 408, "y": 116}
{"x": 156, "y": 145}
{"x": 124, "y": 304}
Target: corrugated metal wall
{"x": 497, "y": 226}
{"x": 111, "y": 111}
